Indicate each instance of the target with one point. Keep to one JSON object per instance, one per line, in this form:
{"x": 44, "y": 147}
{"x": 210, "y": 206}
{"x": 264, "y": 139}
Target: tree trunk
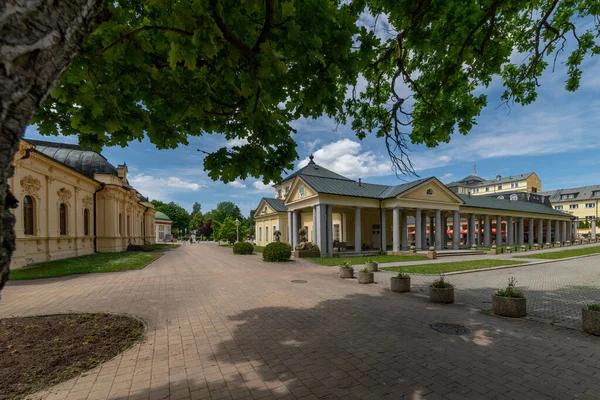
{"x": 38, "y": 40}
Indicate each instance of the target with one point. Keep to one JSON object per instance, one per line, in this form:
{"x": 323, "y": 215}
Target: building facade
{"x": 163, "y": 227}
{"x": 341, "y": 214}
{"x": 582, "y": 203}
{"x": 477, "y": 186}
{"x": 74, "y": 202}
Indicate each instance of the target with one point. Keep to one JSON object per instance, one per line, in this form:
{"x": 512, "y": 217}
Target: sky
{"x": 558, "y": 137}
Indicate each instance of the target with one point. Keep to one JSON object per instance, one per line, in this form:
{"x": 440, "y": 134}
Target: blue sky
{"x": 557, "y": 137}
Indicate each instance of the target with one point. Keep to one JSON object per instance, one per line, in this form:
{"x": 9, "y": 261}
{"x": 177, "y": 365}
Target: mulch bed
{"x": 39, "y": 352}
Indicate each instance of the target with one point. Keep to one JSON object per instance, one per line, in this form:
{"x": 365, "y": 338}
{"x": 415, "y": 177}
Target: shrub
{"x": 347, "y": 264}
{"x": 594, "y": 307}
{"x": 402, "y": 275}
{"x": 371, "y": 261}
{"x": 277, "y": 252}
{"x": 440, "y": 283}
{"x": 365, "y": 270}
{"x": 243, "y": 248}
{"x": 510, "y": 290}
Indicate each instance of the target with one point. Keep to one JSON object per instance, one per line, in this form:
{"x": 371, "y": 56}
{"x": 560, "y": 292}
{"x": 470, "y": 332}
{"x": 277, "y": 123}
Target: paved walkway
{"x": 231, "y": 327}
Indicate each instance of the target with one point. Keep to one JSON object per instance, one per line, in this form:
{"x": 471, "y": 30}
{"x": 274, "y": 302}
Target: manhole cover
{"x": 450, "y": 329}
{"x": 299, "y": 281}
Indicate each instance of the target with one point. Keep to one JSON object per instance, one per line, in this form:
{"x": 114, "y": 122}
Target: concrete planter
{"x": 346, "y": 273}
{"x": 400, "y": 285}
{"x": 366, "y": 277}
{"x": 493, "y": 251}
{"x": 441, "y": 295}
{"x": 591, "y": 321}
{"x": 515, "y": 307}
{"x": 372, "y": 266}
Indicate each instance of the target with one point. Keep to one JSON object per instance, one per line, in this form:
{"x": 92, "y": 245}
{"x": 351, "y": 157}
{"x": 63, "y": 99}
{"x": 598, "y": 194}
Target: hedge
{"x": 243, "y": 248}
{"x": 277, "y": 252}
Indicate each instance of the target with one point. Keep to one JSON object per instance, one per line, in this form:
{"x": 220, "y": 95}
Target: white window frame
{"x": 590, "y": 205}
{"x": 573, "y": 206}
{"x": 558, "y": 207}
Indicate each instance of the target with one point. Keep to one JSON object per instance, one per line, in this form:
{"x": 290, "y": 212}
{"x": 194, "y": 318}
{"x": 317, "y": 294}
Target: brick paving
{"x": 231, "y": 327}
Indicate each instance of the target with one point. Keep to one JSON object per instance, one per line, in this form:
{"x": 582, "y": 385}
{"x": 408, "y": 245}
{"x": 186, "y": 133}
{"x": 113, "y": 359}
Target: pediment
{"x": 432, "y": 190}
{"x": 299, "y": 191}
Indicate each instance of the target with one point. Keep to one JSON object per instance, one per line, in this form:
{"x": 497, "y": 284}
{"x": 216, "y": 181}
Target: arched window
{"x": 514, "y": 197}
{"x": 120, "y": 224}
{"x": 63, "y": 219}
{"x": 128, "y": 226}
{"x": 28, "y": 215}
{"x": 86, "y": 221}
{"x": 429, "y": 192}
{"x": 500, "y": 197}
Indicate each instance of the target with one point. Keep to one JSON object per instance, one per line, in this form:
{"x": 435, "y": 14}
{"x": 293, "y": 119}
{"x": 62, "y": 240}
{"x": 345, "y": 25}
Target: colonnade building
{"x": 344, "y": 215}
{"x": 74, "y": 202}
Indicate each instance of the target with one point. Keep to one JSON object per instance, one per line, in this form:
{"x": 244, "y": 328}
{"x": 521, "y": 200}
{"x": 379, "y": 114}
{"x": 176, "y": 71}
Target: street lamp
{"x": 237, "y": 230}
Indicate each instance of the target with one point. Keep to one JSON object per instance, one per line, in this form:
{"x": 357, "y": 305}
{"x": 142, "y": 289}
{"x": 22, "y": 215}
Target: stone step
{"x": 441, "y": 254}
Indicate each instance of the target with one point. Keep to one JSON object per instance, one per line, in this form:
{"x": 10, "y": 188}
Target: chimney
{"x": 498, "y": 177}
{"x": 122, "y": 171}
{"x": 359, "y": 182}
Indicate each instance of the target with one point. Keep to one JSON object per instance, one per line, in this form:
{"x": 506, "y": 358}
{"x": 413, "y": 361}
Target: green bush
{"x": 243, "y": 248}
{"x": 594, "y": 307}
{"x": 510, "y": 290}
{"x": 440, "y": 283}
{"x": 277, "y": 252}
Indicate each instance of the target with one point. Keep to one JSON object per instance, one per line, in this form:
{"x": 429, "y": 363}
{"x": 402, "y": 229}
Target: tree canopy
{"x": 178, "y": 214}
{"x": 172, "y": 69}
{"x": 225, "y": 209}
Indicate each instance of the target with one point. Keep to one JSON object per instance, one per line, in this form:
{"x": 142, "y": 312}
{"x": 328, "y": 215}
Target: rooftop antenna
{"x": 475, "y": 169}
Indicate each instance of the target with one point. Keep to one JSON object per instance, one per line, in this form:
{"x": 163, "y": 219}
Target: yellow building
{"x": 475, "y": 185}
{"x": 74, "y": 202}
{"x": 343, "y": 215}
{"x": 580, "y": 202}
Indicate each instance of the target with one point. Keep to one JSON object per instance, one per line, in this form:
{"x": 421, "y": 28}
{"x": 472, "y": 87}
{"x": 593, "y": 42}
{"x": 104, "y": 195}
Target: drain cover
{"x": 450, "y": 329}
{"x": 299, "y": 281}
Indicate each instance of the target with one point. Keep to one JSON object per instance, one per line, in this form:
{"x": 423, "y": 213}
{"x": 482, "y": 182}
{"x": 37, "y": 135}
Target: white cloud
{"x": 161, "y": 188}
{"x": 311, "y": 145}
{"x": 262, "y": 188}
{"x": 237, "y": 184}
{"x": 236, "y": 142}
{"x": 347, "y": 158}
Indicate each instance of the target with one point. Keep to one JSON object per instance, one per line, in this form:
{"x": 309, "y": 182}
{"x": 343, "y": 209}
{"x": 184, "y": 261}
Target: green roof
{"x": 276, "y": 204}
{"x": 499, "y": 204}
{"x": 315, "y": 170}
{"x": 161, "y": 216}
{"x": 348, "y": 187}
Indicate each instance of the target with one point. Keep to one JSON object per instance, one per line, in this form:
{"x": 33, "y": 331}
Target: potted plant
{"x": 590, "y": 317}
{"x": 346, "y": 270}
{"x": 441, "y": 291}
{"x": 509, "y": 302}
{"x": 371, "y": 265}
{"x": 400, "y": 283}
{"x": 365, "y": 276}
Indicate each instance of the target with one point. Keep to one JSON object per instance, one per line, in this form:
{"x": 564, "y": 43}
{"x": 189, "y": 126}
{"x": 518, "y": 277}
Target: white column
{"x": 531, "y": 231}
{"x": 404, "y": 218}
{"x": 290, "y": 228}
{"x": 396, "y": 230}
{"x": 563, "y": 231}
{"x": 383, "y": 230}
{"x": 521, "y": 231}
{"x": 549, "y": 231}
{"x": 321, "y": 228}
{"x": 509, "y": 232}
{"x": 498, "y": 230}
{"x": 418, "y": 228}
{"x": 593, "y": 229}
{"x": 487, "y": 231}
{"x": 540, "y": 232}
{"x": 357, "y": 231}
{"x": 314, "y": 227}
{"x": 329, "y": 228}
{"x": 456, "y": 230}
{"x": 557, "y": 231}
{"x": 424, "y": 231}
{"x": 438, "y": 230}
{"x": 295, "y": 237}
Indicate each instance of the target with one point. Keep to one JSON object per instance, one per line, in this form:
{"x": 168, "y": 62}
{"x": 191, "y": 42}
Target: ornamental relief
{"x": 31, "y": 186}
{"x": 64, "y": 195}
{"x": 87, "y": 201}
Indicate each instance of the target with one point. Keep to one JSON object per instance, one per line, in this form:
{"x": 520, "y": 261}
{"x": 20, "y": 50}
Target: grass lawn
{"x": 362, "y": 260}
{"x": 98, "y": 262}
{"x": 555, "y": 255}
{"x": 452, "y": 266}
{"x": 162, "y": 246}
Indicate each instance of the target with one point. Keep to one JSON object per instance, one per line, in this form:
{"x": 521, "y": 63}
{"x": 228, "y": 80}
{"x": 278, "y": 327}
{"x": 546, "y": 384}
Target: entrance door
{"x": 376, "y": 237}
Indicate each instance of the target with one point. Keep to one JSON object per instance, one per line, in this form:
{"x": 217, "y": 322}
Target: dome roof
{"x": 86, "y": 162}
{"x": 161, "y": 216}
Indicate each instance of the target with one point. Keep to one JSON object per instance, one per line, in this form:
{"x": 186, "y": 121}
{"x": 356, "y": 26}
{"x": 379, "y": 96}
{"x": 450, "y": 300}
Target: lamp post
{"x": 237, "y": 230}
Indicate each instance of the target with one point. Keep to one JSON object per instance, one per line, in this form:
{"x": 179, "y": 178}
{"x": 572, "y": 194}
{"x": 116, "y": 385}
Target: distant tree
{"x": 205, "y": 229}
{"x": 196, "y": 208}
{"x": 227, "y": 231}
{"x": 196, "y": 219}
{"x": 178, "y": 214}
{"x": 226, "y": 209}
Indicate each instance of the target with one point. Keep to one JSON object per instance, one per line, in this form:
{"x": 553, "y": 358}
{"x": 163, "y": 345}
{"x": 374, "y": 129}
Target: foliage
{"x": 97, "y": 262}
{"x": 453, "y": 266}
{"x": 366, "y": 270}
{"x": 277, "y": 252}
{"x": 243, "y": 248}
{"x": 431, "y": 66}
{"x": 195, "y": 221}
{"x": 224, "y": 210}
{"x": 402, "y": 275}
{"x": 229, "y": 231}
{"x": 162, "y": 246}
{"x": 205, "y": 229}
{"x": 594, "y": 307}
{"x": 346, "y": 264}
{"x": 440, "y": 283}
{"x": 510, "y": 290}
{"x": 371, "y": 260}
{"x": 178, "y": 214}
{"x": 167, "y": 70}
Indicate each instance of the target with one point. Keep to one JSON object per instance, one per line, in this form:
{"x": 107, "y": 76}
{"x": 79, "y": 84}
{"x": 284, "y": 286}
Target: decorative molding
{"x": 87, "y": 201}
{"x": 31, "y": 186}
{"x": 64, "y": 195}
